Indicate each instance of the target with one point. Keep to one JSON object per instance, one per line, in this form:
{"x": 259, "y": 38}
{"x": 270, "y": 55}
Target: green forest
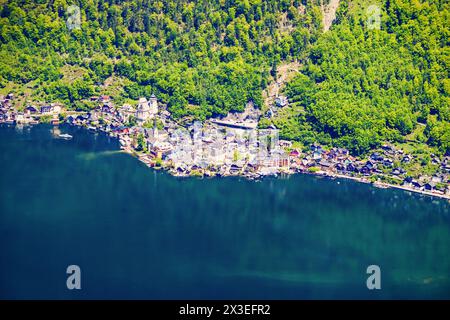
{"x": 202, "y": 58}
{"x": 357, "y": 86}
{"x": 360, "y": 87}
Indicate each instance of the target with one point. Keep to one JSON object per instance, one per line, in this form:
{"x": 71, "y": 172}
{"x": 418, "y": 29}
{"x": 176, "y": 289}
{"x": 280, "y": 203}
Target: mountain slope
{"x": 202, "y": 58}
{"x": 361, "y": 86}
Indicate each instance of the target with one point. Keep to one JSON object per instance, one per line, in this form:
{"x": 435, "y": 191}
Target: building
{"x": 430, "y": 186}
{"x": 294, "y": 153}
{"x": 125, "y": 112}
{"x": 146, "y": 110}
{"x": 281, "y": 101}
{"x": 104, "y": 99}
{"x": 51, "y": 109}
{"x": 106, "y": 108}
{"x": 30, "y": 110}
{"x": 56, "y": 109}
{"x": 161, "y": 149}
{"x": 153, "y": 105}
{"x": 46, "y": 109}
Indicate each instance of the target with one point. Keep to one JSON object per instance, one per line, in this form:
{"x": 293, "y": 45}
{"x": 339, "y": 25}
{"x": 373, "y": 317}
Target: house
{"x": 70, "y": 119}
{"x": 446, "y": 165}
{"x": 388, "y": 162}
{"x": 437, "y": 179}
{"x": 370, "y": 165}
{"x": 365, "y": 170}
{"x": 407, "y": 180}
{"x": 376, "y": 157}
{"x": 305, "y": 162}
{"x": 93, "y": 116}
{"x": 416, "y": 184}
{"x": 9, "y": 116}
{"x": 106, "y": 108}
{"x": 398, "y": 171}
{"x": 285, "y": 143}
{"x": 104, "y": 99}
{"x": 56, "y": 109}
{"x": 82, "y": 118}
{"x": 161, "y": 149}
{"x": 315, "y": 147}
{"x": 281, "y": 101}
{"x": 294, "y": 153}
{"x": 30, "y": 110}
{"x": 181, "y": 169}
{"x": 342, "y": 151}
{"x": 46, "y": 109}
{"x": 387, "y": 147}
{"x": 406, "y": 159}
{"x": 325, "y": 164}
{"x": 251, "y": 167}
{"x": 235, "y": 169}
{"x": 351, "y": 167}
{"x": 430, "y": 186}
{"x": 126, "y": 111}
{"x": 436, "y": 160}
{"x": 143, "y": 110}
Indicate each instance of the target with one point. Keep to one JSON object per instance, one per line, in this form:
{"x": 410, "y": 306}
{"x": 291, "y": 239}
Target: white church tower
{"x": 153, "y": 105}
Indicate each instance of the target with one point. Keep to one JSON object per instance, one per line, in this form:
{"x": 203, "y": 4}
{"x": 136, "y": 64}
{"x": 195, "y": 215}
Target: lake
{"x": 137, "y": 233}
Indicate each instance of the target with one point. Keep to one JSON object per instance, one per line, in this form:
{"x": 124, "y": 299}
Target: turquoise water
{"x": 140, "y": 233}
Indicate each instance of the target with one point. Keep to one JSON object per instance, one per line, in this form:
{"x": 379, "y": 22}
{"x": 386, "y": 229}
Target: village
{"x": 229, "y": 146}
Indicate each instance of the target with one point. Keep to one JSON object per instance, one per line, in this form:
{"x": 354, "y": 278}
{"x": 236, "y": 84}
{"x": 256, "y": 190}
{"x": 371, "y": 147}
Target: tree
{"x": 141, "y": 143}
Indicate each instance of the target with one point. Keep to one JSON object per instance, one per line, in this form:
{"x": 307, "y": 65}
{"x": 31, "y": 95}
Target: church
{"x": 146, "y": 109}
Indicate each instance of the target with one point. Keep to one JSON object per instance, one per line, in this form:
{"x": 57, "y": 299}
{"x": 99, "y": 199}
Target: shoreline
{"x": 149, "y": 162}
{"x": 384, "y": 185}
{"x": 378, "y": 185}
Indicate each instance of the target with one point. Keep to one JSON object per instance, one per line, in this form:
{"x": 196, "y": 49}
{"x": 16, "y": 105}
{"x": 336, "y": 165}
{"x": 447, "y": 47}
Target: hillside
{"x": 361, "y": 87}
{"x": 212, "y": 56}
{"x": 352, "y": 86}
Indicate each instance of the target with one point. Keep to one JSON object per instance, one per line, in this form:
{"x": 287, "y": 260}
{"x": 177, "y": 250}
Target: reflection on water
{"x": 139, "y": 233}
{"x": 92, "y": 155}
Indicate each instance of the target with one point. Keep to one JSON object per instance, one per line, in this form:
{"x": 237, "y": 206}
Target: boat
{"x": 65, "y": 136}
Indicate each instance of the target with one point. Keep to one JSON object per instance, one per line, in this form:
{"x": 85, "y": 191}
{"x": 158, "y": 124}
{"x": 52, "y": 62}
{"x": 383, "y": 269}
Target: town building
{"x": 146, "y": 110}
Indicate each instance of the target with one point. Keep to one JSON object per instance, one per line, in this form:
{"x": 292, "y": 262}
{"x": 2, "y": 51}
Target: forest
{"x": 202, "y": 58}
{"x": 357, "y": 88}
{"x": 361, "y": 87}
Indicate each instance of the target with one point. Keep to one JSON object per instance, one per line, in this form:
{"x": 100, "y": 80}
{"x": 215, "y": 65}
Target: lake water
{"x": 140, "y": 233}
